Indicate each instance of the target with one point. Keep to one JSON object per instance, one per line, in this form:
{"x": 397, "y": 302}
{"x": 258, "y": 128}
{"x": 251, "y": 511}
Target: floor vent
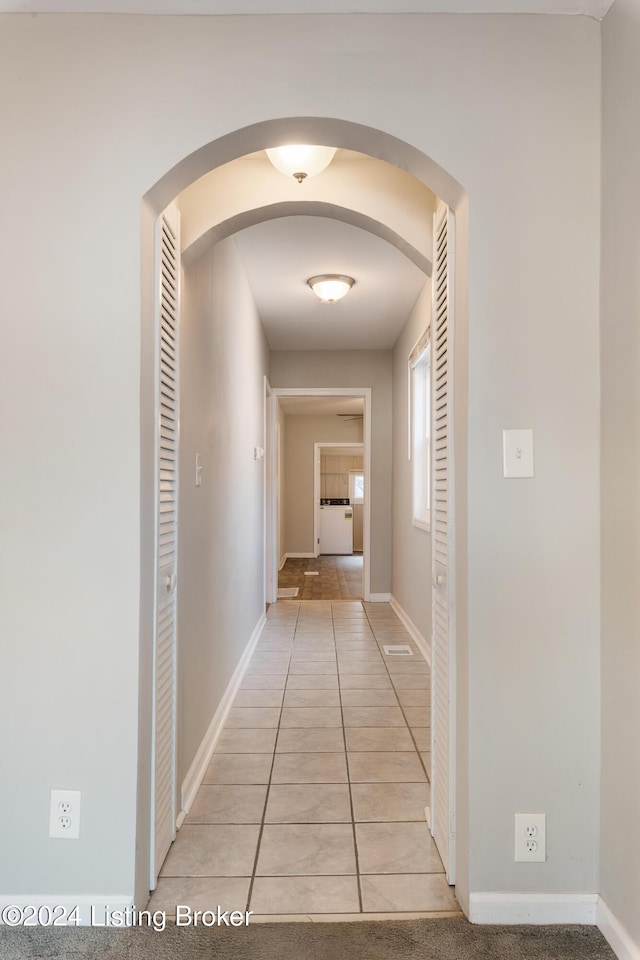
{"x": 288, "y": 592}
{"x": 398, "y": 650}
{"x": 312, "y": 573}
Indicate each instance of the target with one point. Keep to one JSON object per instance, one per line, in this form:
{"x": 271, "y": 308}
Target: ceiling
{"x": 280, "y": 255}
{"x": 590, "y": 8}
{"x": 361, "y": 217}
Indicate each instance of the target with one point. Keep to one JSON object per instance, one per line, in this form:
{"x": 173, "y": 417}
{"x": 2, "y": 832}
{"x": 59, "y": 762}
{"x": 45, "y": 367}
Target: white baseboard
{"x": 379, "y": 597}
{"x": 300, "y": 556}
{"x": 419, "y": 640}
{"x": 83, "y": 910}
{"x": 534, "y": 908}
{"x": 283, "y": 560}
{"x": 615, "y": 934}
{"x": 193, "y": 779}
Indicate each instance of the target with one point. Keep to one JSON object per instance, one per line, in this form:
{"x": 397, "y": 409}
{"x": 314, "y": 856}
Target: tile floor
{"x": 338, "y": 577}
{"x": 314, "y": 800}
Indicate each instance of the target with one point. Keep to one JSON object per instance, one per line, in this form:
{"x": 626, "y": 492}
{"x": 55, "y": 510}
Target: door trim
{"x": 365, "y": 394}
{"x": 317, "y": 448}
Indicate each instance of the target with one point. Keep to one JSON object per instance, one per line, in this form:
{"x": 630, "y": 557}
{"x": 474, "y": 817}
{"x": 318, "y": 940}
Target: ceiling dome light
{"x": 301, "y": 160}
{"x": 330, "y": 287}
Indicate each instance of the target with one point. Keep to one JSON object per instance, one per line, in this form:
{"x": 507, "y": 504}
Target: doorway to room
{"x": 367, "y": 558}
{"x": 320, "y": 498}
{"x": 319, "y": 462}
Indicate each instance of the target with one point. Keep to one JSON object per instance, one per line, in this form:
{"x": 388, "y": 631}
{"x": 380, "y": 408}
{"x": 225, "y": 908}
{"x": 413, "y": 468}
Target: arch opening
{"x": 211, "y": 156}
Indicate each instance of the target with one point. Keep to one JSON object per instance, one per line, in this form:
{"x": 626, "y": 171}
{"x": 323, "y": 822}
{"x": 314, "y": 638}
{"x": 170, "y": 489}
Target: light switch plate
{"x": 517, "y": 452}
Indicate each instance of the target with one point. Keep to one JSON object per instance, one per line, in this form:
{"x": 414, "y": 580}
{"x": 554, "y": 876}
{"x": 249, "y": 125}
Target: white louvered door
{"x": 442, "y": 543}
{"x": 167, "y": 407}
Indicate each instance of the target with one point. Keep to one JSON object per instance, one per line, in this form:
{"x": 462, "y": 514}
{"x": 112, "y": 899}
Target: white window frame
{"x": 352, "y": 475}
{"x": 420, "y": 431}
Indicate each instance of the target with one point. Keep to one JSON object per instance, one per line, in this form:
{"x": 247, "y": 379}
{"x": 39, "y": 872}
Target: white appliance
{"x": 336, "y": 526}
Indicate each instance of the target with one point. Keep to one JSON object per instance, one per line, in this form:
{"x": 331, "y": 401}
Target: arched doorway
{"x": 211, "y": 157}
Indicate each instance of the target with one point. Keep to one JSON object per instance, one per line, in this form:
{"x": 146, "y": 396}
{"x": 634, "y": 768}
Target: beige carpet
{"x": 387, "y": 940}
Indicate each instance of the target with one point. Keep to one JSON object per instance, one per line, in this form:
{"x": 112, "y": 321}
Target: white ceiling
{"x": 591, "y": 8}
{"x": 279, "y": 256}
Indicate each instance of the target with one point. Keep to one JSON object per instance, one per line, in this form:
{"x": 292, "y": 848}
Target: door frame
{"x": 317, "y": 452}
{"x": 363, "y": 393}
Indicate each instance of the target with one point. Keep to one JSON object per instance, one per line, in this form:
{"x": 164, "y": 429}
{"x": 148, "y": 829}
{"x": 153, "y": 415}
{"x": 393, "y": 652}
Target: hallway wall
{"x": 411, "y": 572}
{"x": 301, "y": 432}
{"x": 95, "y": 110}
{"x": 620, "y": 385}
{"x": 355, "y": 368}
{"x": 224, "y": 359}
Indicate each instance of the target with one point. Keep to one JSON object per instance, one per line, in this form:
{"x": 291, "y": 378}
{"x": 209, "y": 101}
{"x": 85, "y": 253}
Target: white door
{"x": 164, "y": 665}
{"x": 442, "y": 543}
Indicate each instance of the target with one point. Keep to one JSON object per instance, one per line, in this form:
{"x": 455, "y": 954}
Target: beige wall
{"x": 335, "y": 470}
{"x": 301, "y": 433}
{"x": 95, "y": 111}
{"x": 411, "y": 574}
{"x": 355, "y": 368}
{"x": 224, "y": 360}
{"x": 620, "y": 385}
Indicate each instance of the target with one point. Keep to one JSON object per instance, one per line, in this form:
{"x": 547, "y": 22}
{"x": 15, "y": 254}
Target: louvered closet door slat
{"x": 441, "y": 712}
{"x": 166, "y": 540}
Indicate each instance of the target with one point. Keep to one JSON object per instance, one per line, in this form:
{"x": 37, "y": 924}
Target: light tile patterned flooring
{"x": 314, "y": 800}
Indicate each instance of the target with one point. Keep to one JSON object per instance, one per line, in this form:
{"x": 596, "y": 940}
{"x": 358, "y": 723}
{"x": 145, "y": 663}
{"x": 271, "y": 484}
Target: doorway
{"x": 293, "y": 513}
{"x": 273, "y": 518}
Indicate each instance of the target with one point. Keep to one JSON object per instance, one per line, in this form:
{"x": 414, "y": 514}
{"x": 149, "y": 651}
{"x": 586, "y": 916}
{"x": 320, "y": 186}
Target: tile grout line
{"x": 273, "y": 760}
{"x": 346, "y": 760}
{"x": 404, "y": 716}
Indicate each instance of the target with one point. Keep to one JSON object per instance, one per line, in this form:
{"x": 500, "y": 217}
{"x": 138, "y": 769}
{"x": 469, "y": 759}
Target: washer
{"x": 336, "y": 526}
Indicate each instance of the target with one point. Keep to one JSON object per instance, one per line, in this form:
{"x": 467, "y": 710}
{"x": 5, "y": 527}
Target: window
{"x": 356, "y": 486}
{"x": 420, "y": 430}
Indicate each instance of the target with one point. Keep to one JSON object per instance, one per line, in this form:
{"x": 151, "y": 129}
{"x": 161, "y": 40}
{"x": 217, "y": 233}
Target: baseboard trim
{"x": 283, "y": 560}
{"x": 379, "y": 597}
{"x": 618, "y": 938}
{"x": 93, "y": 909}
{"x": 300, "y": 556}
{"x": 193, "y": 779}
{"x": 534, "y": 908}
{"x": 419, "y": 640}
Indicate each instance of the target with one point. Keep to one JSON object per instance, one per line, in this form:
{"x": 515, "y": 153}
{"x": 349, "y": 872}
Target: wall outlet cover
{"x": 530, "y": 838}
{"x": 64, "y": 814}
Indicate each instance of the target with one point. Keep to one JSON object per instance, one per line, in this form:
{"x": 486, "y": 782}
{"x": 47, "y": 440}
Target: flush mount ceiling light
{"x": 301, "y": 160}
{"x": 330, "y": 287}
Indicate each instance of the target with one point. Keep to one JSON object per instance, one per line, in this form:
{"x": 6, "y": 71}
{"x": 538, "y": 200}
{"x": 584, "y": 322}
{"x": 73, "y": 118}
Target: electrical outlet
{"x": 530, "y": 837}
{"x": 64, "y": 814}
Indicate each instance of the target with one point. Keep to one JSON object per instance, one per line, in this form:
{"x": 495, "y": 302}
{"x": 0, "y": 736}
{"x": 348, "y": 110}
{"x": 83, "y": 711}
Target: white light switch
{"x": 198, "y": 470}
{"x": 517, "y": 451}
